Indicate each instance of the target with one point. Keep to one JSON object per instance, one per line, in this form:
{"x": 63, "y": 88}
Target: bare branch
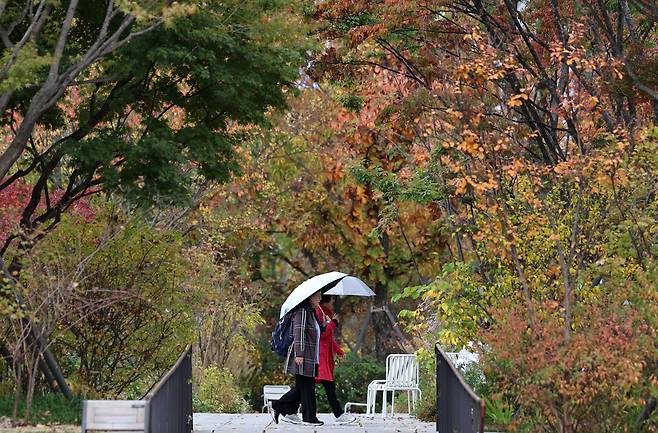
{"x": 19, "y": 46}
{"x": 61, "y": 42}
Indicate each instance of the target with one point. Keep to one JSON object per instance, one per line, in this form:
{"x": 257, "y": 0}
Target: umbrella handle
{"x": 324, "y": 316}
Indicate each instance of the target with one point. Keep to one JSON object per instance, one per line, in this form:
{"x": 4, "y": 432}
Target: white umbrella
{"x": 350, "y": 286}
{"x": 307, "y": 288}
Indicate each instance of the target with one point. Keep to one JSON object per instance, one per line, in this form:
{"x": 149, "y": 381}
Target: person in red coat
{"x": 329, "y": 347}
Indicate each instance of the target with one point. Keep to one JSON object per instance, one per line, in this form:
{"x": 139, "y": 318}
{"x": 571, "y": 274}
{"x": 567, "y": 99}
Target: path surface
{"x": 262, "y": 423}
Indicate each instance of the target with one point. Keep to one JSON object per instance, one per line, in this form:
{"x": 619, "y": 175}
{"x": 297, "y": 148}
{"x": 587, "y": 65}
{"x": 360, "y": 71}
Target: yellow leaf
{"x": 516, "y": 100}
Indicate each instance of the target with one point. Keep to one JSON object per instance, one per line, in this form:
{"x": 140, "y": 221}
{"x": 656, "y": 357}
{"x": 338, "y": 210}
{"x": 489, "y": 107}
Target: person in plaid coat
{"x": 302, "y": 361}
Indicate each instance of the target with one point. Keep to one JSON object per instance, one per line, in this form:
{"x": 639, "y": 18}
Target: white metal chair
{"x": 462, "y": 358}
{"x": 401, "y": 375}
{"x": 272, "y": 393}
{"x": 453, "y": 357}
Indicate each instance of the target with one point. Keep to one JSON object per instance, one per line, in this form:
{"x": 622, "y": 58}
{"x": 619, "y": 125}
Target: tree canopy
{"x": 489, "y": 168}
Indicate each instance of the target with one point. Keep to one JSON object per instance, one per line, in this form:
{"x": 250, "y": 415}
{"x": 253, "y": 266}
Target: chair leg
{"x": 384, "y": 404}
{"x": 371, "y": 402}
{"x": 368, "y": 401}
{"x": 393, "y": 403}
{"x": 409, "y": 401}
{"x": 418, "y": 394}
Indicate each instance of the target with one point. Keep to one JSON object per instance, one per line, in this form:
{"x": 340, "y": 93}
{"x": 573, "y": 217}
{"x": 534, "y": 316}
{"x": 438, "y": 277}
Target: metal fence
{"x": 170, "y": 401}
{"x": 458, "y": 409}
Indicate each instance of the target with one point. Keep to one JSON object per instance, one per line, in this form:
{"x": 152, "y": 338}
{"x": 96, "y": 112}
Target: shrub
{"x": 576, "y": 384}
{"x": 139, "y": 315}
{"x": 6, "y": 388}
{"x": 426, "y": 408}
{"x": 474, "y": 377}
{"x": 217, "y": 392}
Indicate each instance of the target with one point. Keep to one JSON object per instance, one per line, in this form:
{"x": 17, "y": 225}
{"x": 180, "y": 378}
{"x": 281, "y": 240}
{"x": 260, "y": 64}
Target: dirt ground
{"x": 42, "y": 429}
{"x": 6, "y": 427}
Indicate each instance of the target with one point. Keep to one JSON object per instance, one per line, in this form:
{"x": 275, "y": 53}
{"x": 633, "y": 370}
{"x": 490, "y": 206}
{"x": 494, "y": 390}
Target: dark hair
{"x": 326, "y": 299}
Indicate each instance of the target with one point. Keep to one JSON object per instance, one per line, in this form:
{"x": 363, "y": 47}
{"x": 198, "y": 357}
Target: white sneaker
{"x": 291, "y": 419}
{"x": 345, "y": 418}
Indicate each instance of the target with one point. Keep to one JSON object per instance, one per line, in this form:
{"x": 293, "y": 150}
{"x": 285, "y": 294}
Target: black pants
{"x": 330, "y": 389}
{"x": 304, "y": 393}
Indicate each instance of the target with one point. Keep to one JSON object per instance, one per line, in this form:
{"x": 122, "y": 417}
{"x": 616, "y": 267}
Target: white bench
{"x": 272, "y": 393}
{"x": 124, "y": 416}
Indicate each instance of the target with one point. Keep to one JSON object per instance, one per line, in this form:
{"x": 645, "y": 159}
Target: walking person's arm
{"x": 335, "y": 347}
{"x": 324, "y": 321}
{"x": 299, "y": 335}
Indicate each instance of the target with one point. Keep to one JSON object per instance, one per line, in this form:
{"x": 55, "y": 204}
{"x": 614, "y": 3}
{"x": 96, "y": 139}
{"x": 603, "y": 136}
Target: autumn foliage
{"x": 489, "y": 167}
{"x": 525, "y": 131}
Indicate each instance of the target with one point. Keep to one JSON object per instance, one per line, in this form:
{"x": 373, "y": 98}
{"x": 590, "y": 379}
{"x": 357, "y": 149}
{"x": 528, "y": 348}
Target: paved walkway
{"x": 262, "y": 423}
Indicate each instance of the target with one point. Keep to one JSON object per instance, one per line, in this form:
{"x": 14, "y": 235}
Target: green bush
{"x": 474, "y": 377}
{"x": 217, "y": 392}
{"x": 499, "y": 413}
{"x": 47, "y": 408}
{"x": 6, "y": 388}
{"x": 499, "y": 408}
{"x": 426, "y": 406}
{"x": 138, "y": 319}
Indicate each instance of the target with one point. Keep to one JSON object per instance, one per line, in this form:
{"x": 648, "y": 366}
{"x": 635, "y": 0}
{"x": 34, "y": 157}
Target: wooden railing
{"x": 458, "y": 409}
{"x": 170, "y": 401}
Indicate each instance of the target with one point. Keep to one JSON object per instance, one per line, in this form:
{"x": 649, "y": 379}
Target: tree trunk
{"x": 382, "y": 340}
{"x": 31, "y": 382}
{"x": 363, "y": 330}
{"x": 18, "y": 376}
{"x": 50, "y": 379}
{"x": 18, "y": 144}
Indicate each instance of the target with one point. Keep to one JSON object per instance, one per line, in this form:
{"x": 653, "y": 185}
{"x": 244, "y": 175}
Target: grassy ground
{"x": 47, "y": 410}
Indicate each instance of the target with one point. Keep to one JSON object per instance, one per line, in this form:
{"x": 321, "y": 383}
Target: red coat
{"x": 328, "y": 346}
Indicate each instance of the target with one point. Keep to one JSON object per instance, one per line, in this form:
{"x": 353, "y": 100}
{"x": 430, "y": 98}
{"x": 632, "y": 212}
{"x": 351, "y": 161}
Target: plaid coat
{"x": 304, "y": 343}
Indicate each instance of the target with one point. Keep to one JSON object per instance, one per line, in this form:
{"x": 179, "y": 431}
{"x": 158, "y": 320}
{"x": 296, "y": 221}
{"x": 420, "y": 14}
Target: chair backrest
{"x": 462, "y": 358}
{"x": 453, "y": 357}
{"x": 274, "y": 392}
{"x": 402, "y": 371}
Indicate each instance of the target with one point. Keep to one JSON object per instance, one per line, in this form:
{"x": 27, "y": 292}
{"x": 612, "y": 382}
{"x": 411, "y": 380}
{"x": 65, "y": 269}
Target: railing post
{"x": 147, "y": 417}
{"x": 170, "y": 401}
{"x": 436, "y": 368}
{"x": 458, "y": 409}
{"x": 483, "y": 411}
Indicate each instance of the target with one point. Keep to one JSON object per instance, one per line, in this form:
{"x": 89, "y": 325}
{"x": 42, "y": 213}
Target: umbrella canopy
{"x": 351, "y": 286}
{"x": 320, "y": 282}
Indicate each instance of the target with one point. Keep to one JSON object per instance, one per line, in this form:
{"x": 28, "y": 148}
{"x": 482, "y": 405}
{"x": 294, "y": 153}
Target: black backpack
{"x": 282, "y": 336}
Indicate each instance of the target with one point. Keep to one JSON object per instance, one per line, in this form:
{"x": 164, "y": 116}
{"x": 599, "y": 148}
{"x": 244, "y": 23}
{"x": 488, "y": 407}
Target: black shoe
{"x": 316, "y": 422}
{"x": 275, "y": 415}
